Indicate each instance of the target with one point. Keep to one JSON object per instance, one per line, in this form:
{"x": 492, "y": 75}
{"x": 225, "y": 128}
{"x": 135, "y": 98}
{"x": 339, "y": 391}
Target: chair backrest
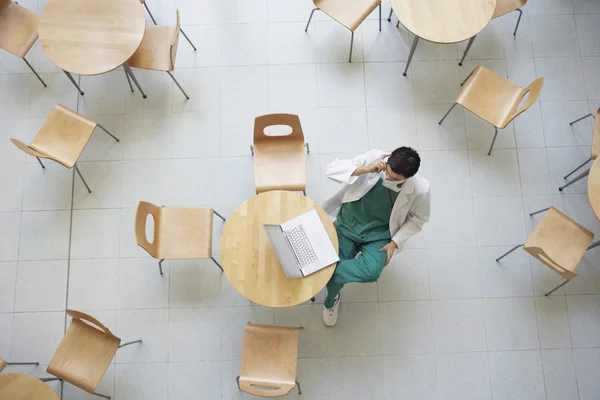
{"x": 18, "y": 28}
{"x": 534, "y": 90}
{"x": 541, "y": 255}
{"x": 175, "y": 42}
{"x": 145, "y": 208}
{"x": 265, "y": 121}
{"x": 89, "y": 320}
{"x": 27, "y": 149}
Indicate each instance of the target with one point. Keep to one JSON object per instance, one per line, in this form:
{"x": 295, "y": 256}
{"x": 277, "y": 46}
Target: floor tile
{"x": 454, "y": 273}
{"x": 244, "y": 44}
{"x": 195, "y": 334}
{"x": 559, "y": 374}
{"x": 356, "y": 332}
{"x": 510, "y": 324}
{"x": 148, "y": 381}
{"x": 47, "y": 188}
{"x": 435, "y": 82}
{"x": 93, "y": 284}
{"x": 194, "y": 283}
{"x": 44, "y": 235}
{"x": 533, "y": 166}
{"x": 386, "y": 86}
{"x": 95, "y": 234}
{"x": 196, "y": 135}
{"x": 454, "y": 224}
{"x": 234, "y": 322}
{"x": 405, "y": 277}
{"x": 586, "y": 363}
{"x": 141, "y": 285}
{"x": 203, "y": 87}
{"x": 152, "y": 327}
{"x": 312, "y": 337}
{"x": 499, "y": 221}
{"x": 12, "y": 176}
{"x": 10, "y": 225}
{"x": 553, "y": 323}
{"x": 557, "y": 129}
{"x": 158, "y": 88}
{"x": 584, "y": 317}
{"x": 208, "y": 53}
{"x": 463, "y": 375}
{"x": 8, "y": 280}
{"x": 509, "y": 277}
{"x": 554, "y": 35}
{"x": 106, "y": 180}
{"x": 563, "y": 78}
{"x": 41, "y": 286}
{"x": 496, "y": 174}
{"x": 406, "y": 327}
{"x": 355, "y": 378}
{"x": 410, "y": 377}
{"x": 200, "y": 380}
{"x": 592, "y": 83}
{"x": 244, "y": 87}
{"x": 458, "y": 325}
{"x": 332, "y": 42}
{"x": 340, "y": 85}
{"x": 293, "y": 86}
{"x": 450, "y": 135}
{"x": 517, "y": 375}
{"x": 289, "y": 44}
{"x": 391, "y": 44}
{"x": 104, "y": 94}
{"x": 343, "y": 130}
{"x": 147, "y": 180}
{"x": 26, "y": 331}
{"x": 587, "y": 30}
{"x": 390, "y": 126}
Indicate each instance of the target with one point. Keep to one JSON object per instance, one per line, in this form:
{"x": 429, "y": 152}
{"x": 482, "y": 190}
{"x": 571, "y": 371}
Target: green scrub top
{"x": 368, "y": 219}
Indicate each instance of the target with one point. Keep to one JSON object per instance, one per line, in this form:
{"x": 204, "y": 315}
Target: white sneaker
{"x": 330, "y": 315}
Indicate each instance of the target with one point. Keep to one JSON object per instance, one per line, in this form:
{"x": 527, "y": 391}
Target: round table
{"x": 249, "y": 261}
{"x": 24, "y": 387}
{"x": 91, "y": 37}
{"x": 594, "y": 187}
{"x": 443, "y": 21}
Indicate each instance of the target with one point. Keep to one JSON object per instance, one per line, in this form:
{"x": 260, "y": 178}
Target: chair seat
{"x": 596, "y": 136}
{"x": 83, "y": 355}
{"x": 562, "y": 239}
{"x": 506, "y": 6}
{"x": 18, "y": 28}
{"x": 155, "y": 50}
{"x": 350, "y": 13}
{"x": 185, "y": 233}
{"x": 490, "y": 96}
{"x": 279, "y": 165}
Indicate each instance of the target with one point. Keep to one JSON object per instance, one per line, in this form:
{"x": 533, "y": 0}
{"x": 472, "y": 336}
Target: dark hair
{"x": 405, "y": 161}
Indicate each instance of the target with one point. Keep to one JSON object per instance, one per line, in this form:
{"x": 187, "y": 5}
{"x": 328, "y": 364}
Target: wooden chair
{"x": 4, "y": 363}
{"x": 279, "y": 161}
{"x": 558, "y": 242}
{"x": 157, "y": 52}
{"x": 494, "y": 99}
{"x": 18, "y": 31}
{"x": 269, "y": 359}
{"x": 153, "y": 20}
{"x": 595, "y": 149}
{"x": 502, "y": 7}
{"x": 179, "y": 233}
{"x": 62, "y": 138}
{"x": 84, "y": 353}
{"x": 349, "y": 13}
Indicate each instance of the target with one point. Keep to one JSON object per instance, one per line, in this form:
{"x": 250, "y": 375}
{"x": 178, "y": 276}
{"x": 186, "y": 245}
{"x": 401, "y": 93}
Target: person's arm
{"x": 348, "y": 171}
{"x": 417, "y": 217}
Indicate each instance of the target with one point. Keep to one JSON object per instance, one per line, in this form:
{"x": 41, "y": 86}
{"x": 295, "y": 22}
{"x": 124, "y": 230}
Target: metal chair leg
{"x": 101, "y": 395}
{"x": 379, "y": 17}
{"x": 307, "y": 148}
{"x": 150, "y": 14}
{"x": 187, "y": 38}
{"x": 390, "y": 16}
{"x": 518, "y": 21}
{"x": 238, "y": 382}
{"x": 310, "y": 18}
{"x": 83, "y": 180}
{"x": 160, "y": 266}
{"x": 579, "y": 177}
{"x": 539, "y": 211}
{"x": 40, "y": 161}
{"x": 298, "y": 383}
{"x": 410, "y": 55}
{"x": 581, "y": 166}
{"x": 128, "y": 80}
{"x": 467, "y": 50}
{"x": 508, "y": 252}
{"x": 445, "y": 115}
{"x": 36, "y": 74}
{"x": 68, "y": 74}
{"x": 252, "y": 149}
{"x": 579, "y": 119}
{"x": 132, "y": 342}
{"x": 219, "y": 215}
{"x": 218, "y": 265}
{"x": 178, "y": 85}
{"x": 351, "y": 43}
{"x": 558, "y": 287}
{"x": 493, "y": 140}
{"x": 22, "y": 363}
{"x": 49, "y": 379}
{"x": 130, "y": 73}
{"x": 593, "y": 245}
{"x": 467, "y": 78}
{"x": 109, "y": 134}
{"x": 312, "y": 299}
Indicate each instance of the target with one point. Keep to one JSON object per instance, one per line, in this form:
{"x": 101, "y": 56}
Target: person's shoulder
{"x": 421, "y": 184}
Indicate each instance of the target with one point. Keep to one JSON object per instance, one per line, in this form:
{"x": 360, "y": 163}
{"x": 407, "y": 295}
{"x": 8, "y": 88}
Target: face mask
{"x": 396, "y": 186}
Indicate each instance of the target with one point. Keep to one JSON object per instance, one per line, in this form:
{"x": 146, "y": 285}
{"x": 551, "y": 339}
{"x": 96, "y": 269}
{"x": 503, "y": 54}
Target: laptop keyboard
{"x": 301, "y": 246}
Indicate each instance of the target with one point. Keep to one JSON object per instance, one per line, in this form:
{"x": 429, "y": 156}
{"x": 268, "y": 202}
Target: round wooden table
{"x": 24, "y": 387}
{"x": 91, "y": 37}
{"x": 249, "y": 261}
{"x": 594, "y": 187}
{"x": 443, "y": 21}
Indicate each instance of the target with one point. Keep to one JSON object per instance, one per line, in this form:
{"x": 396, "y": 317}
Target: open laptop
{"x": 302, "y": 245}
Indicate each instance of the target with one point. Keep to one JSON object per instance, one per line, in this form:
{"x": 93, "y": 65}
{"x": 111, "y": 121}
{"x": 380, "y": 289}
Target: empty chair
{"x": 494, "y": 99}
{"x": 179, "y": 233}
{"x": 84, "y": 353}
{"x": 595, "y": 150}
{"x": 157, "y": 51}
{"x": 62, "y": 138}
{"x": 153, "y": 20}
{"x": 349, "y": 13}
{"x": 502, "y": 7}
{"x": 269, "y": 359}
{"x": 558, "y": 242}
{"x": 18, "y": 30}
{"x": 4, "y": 363}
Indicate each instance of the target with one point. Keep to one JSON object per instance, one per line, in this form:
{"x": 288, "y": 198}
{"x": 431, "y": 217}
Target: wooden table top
{"x": 24, "y": 387}
{"x": 594, "y": 187}
{"x": 249, "y": 261}
{"x": 89, "y": 37}
{"x": 444, "y": 21}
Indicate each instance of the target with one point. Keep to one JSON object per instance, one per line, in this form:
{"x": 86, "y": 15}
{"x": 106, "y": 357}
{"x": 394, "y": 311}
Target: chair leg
{"x": 33, "y": 70}
{"x": 390, "y": 16}
{"x": 83, "y": 180}
{"x": 178, "y": 85}
{"x": 49, "y": 379}
{"x": 101, "y": 395}
{"x": 68, "y": 74}
{"x": 579, "y": 119}
{"x": 252, "y": 149}
{"x": 467, "y": 78}
{"x": 160, "y": 266}
{"x": 558, "y": 287}
{"x": 593, "y": 245}
{"x": 508, "y": 252}
{"x": 313, "y": 299}
{"x": 23, "y": 363}
{"x": 467, "y": 50}
{"x": 539, "y": 211}
{"x": 518, "y": 21}
{"x": 304, "y": 192}
{"x": 218, "y": 265}
{"x": 219, "y": 215}
{"x": 579, "y": 177}
{"x": 351, "y": 43}
{"x": 307, "y": 148}
{"x": 237, "y": 379}
{"x": 40, "y": 161}
{"x": 187, "y": 38}
{"x": 149, "y": 13}
{"x": 298, "y": 383}
{"x": 132, "y": 342}
{"x": 581, "y": 166}
{"x": 128, "y": 80}
{"x": 379, "y": 17}
{"x": 493, "y": 140}
{"x": 109, "y": 134}
{"x": 310, "y": 18}
{"x": 445, "y": 115}
{"x": 130, "y": 73}
{"x": 410, "y": 55}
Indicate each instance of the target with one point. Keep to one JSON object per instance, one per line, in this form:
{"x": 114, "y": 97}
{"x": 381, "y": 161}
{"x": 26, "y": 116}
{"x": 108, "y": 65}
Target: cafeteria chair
{"x": 157, "y": 52}
{"x": 18, "y": 31}
{"x": 349, "y": 13}
{"x": 502, "y": 7}
{"x": 494, "y": 99}
{"x": 595, "y": 149}
{"x": 153, "y": 20}
{"x": 4, "y": 363}
{"x": 279, "y": 160}
{"x": 557, "y": 242}
{"x": 62, "y": 138}
{"x": 84, "y": 353}
{"x": 179, "y": 233}
{"x": 269, "y": 360}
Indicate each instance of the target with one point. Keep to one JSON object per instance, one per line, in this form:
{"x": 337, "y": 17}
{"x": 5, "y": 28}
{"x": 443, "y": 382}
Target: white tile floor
{"x": 445, "y": 321}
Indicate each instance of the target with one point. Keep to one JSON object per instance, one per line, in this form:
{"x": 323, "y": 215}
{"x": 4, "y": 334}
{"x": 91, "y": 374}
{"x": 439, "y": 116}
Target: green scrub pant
{"x": 365, "y": 268}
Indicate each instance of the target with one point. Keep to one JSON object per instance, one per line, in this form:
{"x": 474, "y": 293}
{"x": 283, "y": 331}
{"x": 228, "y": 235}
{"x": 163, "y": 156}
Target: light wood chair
{"x": 153, "y": 20}
{"x": 494, "y": 99}
{"x": 595, "y": 149}
{"x": 502, "y": 7}
{"x": 157, "y": 52}
{"x": 349, "y": 13}
{"x": 269, "y": 359}
{"x": 4, "y": 363}
{"x": 62, "y": 138}
{"x": 179, "y": 233}
{"x": 558, "y": 242}
{"x": 18, "y": 31}
{"x": 279, "y": 160}
{"x": 84, "y": 353}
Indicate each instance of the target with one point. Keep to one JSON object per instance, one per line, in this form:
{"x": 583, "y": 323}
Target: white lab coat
{"x": 412, "y": 206}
